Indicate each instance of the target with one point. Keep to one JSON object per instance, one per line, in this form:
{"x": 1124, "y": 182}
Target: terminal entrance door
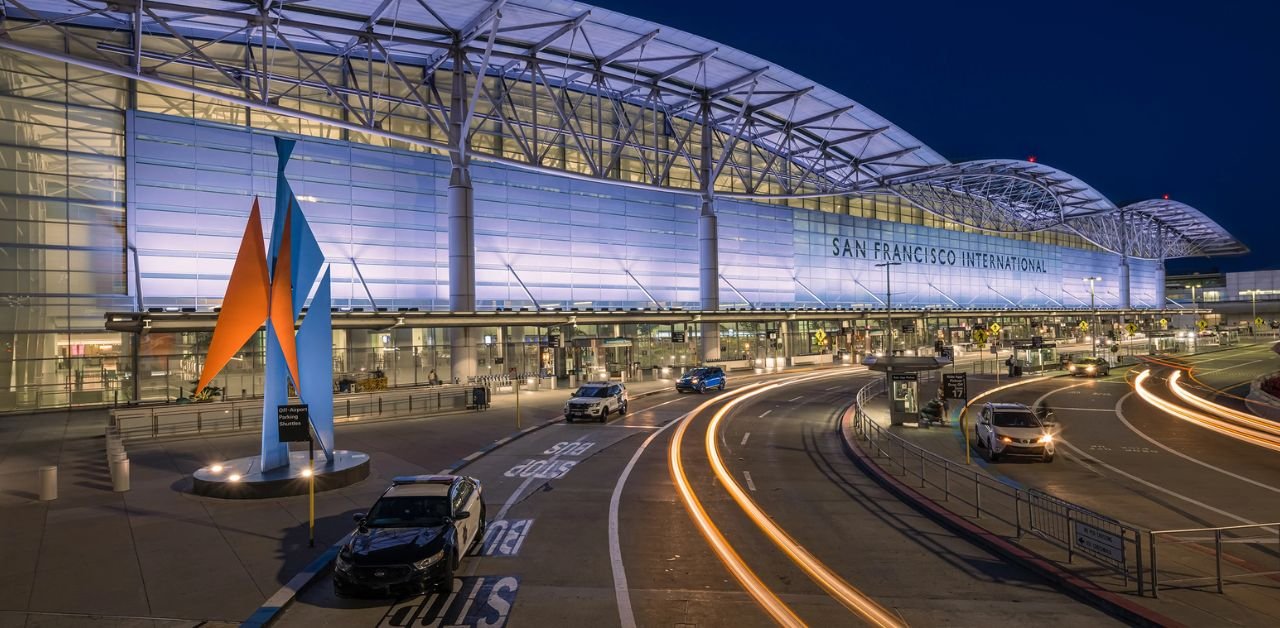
{"x": 601, "y": 358}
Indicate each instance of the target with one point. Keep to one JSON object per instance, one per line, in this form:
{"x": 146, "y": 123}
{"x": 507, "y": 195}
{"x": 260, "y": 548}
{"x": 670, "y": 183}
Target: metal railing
{"x": 1257, "y": 544}
{"x": 195, "y": 419}
{"x": 1106, "y": 542}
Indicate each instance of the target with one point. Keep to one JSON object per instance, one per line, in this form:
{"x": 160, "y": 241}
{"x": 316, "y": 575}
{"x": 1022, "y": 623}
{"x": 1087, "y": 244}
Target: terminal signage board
{"x": 908, "y": 328}
{"x": 553, "y": 340}
{"x": 294, "y": 423}
{"x": 955, "y": 385}
{"x": 677, "y": 337}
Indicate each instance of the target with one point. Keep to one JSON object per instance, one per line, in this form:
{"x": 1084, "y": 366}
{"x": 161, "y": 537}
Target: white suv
{"x": 596, "y": 400}
{"x": 1012, "y": 429}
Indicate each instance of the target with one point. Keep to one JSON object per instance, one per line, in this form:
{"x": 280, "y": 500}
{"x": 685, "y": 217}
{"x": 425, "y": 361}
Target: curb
{"x": 270, "y": 610}
{"x": 1108, "y": 602}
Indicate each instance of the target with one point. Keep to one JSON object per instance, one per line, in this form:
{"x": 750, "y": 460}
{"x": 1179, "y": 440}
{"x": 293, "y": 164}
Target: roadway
{"x": 589, "y": 528}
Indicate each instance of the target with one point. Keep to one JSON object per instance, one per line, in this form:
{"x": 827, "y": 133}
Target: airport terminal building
{"x": 539, "y": 185}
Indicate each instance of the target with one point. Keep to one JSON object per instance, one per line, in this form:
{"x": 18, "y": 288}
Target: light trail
{"x": 1243, "y": 418}
{"x": 845, "y": 593}
{"x": 1203, "y": 420}
{"x": 780, "y": 612}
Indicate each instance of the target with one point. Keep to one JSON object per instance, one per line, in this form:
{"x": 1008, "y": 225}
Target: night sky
{"x": 1136, "y": 98}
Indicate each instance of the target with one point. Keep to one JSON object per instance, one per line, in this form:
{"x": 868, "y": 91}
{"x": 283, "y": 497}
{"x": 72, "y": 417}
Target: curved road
{"x": 548, "y": 558}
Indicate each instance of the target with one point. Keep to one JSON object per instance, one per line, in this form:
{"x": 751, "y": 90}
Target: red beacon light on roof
{"x": 1031, "y": 158}
{"x": 1166, "y": 197}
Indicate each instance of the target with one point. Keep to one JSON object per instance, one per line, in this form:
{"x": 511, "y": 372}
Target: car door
{"x": 984, "y": 426}
{"x": 615, "y": 392}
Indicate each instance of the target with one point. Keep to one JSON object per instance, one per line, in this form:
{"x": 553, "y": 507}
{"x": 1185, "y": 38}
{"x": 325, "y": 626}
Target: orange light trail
{"x": 1243, "y": 418}
{"x": 1202, "y": 420}
{"x": 842, "y": 591}
{"x": 732, "y": 561}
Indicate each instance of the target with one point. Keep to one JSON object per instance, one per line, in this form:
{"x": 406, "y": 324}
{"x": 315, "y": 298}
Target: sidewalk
{"x": 157, "y": 555}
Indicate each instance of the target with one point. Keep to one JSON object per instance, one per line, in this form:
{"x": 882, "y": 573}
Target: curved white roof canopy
{"x": 611, "y": 87}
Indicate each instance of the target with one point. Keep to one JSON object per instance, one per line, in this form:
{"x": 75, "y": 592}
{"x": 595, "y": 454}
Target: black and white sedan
{"x": 413, "y": 538}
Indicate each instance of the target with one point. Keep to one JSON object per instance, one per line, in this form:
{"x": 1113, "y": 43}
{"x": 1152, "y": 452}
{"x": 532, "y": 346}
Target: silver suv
{"x": 596, "y": 400}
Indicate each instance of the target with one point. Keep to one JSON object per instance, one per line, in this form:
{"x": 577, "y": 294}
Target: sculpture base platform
{"x": 243, "y": 478}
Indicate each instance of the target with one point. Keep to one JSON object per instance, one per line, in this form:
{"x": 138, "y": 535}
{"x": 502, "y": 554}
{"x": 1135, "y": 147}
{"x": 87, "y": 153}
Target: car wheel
{"x": 568, "y": 419}
{"x": 721, "y": 385}
{"x": 977, "y": 440}
{"x": 991, "y": 453}
{"x": 702, "y": 390}
{"x": 622, "y": 410}
{"x": 1048, "y": 458}
{"x": 446, "y": 580}
{"x": 484, "y": 526}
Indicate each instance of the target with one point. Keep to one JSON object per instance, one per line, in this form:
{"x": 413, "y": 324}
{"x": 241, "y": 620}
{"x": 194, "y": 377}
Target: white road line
{"x": 515, "y": 495}
{"x": 766, "y": 413}
{"x": 833, "y": 387}
{"x": 797, "y": 398}
{"x": 744, "y": 439}
{"x": 1228, "y": 368}
{"x": 626, "y": 616}
{"x": 1190, "y": 500}
{"x": 747, "y": 476}
{"x": 623, "y": 416}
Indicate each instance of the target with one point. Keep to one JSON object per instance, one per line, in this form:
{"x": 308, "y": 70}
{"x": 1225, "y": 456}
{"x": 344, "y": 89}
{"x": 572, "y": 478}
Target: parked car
{"x": 1089, "y": 367}
{"x": 701, "y": 378}
{"x": 596, "y": 400}
{"x": 413, "y": 538}
{"x": 1012, "y": 429}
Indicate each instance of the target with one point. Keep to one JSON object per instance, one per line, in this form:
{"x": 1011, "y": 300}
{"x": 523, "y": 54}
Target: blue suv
{"x": 700, "y": 379}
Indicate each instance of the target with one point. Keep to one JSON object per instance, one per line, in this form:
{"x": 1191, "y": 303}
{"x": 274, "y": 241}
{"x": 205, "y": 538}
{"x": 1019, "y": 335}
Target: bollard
{"x": 655, "y": 373}
{"x": 573, "y": 381}
{"x": 120, "y": 475}
{"x": 48, "y": 483}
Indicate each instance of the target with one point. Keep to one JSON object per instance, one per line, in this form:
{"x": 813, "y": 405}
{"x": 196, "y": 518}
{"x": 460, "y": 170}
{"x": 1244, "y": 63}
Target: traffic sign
{"x": 820, "y": 337}
{"x": 1164, "y": 323}
{"x": 294, "y": 423}
{"x": 995, "y": 328}
{"x": 1258, "y": 321}
{"x": 1101, "y": 543}
{"x": 980, "y": 336}
{"x": 1202, "y": 324}
{"x": 1131, "y": 328}
{"x": 1084, "y": 325}
{"x": 955, "y": 385}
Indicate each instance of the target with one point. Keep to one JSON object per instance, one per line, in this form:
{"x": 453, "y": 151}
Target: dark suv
{"x": 700, "y": 379}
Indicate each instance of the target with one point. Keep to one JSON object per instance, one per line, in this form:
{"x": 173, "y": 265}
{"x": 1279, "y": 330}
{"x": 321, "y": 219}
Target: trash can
{"x": 1017, "y": 369}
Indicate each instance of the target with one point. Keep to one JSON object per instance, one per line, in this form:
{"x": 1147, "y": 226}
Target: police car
{"x": 596, "y": 401}
{"x": 413, "y": 538}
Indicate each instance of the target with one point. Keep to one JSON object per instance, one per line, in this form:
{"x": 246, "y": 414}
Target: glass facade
{"x": 121, "y": 197}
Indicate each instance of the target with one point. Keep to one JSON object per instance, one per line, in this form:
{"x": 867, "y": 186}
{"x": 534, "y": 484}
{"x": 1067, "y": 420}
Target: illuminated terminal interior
{"x": 601, "y": 163}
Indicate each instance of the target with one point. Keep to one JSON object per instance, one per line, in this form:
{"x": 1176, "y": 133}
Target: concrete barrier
{"x": 120, "y": 474}
{"x": 48, "y": 483}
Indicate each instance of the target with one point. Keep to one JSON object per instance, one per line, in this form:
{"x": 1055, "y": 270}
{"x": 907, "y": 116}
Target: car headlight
{"x": 1006, "y": 439}
{"x": 1046, "y": 439}
{"x": 1091, "y": 369}
{"x": 429, "y": 561}
{"x": 695, "y": 380}
{"x": 1072, "y": 368}
{"x": 342, "y": 564}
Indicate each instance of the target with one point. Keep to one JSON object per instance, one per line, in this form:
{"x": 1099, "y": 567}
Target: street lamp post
{"x": 1094, "y": 307}
{"x": 1194, "y": 316}
{"x": 888, "y": 299}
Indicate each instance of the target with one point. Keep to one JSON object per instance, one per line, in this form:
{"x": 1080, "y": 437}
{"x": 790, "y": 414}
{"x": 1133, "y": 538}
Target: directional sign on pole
{"x": 1131, "y": 328}
{"x": 980, "y": 336}
{"x": 1258, "y": 321}
{"x": 820, "y": 337}
{"x": 295, "y": 423}
{"x": 1084, "y": 325}
{"x": 1202, "y": 324}
{"x": 955, "y": 385}
{"x": 995, "y": 328}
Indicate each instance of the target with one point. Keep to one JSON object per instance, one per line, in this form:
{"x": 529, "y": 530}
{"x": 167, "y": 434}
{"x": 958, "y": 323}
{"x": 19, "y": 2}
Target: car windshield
{"x": 697, "y": 372}
{"x": 598, "y": 392}
{"x": 1088, "y": 361}
{"x": 408, "y": 512}
{"x": 1016, "y": 418}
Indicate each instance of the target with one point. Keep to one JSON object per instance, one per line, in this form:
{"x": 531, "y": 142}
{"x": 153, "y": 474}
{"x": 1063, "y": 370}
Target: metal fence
{"x": 1252, "y": 548}
{"x": 194, "y": 419}
{"x": 1109, "y": 544}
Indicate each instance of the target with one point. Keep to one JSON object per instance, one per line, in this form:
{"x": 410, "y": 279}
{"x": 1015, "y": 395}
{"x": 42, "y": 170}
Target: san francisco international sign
{"x": 937, "y": 255}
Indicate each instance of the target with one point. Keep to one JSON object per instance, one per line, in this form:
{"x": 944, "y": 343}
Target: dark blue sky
{"x": 1138, "y": 98}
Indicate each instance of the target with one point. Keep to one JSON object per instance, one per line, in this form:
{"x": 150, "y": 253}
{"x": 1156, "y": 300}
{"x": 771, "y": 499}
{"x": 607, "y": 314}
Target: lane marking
{"x": 744, "y": 439}
{"x": 652, "y": 407}
{"x": 747, "y": 578}
{"x": 751, "y": 485}
{"x": 515, "y": 495}
{"x": 502, "y": 537}
{"x": 766, "y": 413}
{"x": 845, "y": 593}
{"x": 487, "y": 603}
{"x": 1228, "y": 368}
{"x": 1120, "y": 415}
{"x": 796, "y": 398}
{"x": 626, "y": 616}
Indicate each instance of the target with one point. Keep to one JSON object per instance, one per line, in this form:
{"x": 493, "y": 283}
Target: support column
{"x": 1160, "y": 298}
{"x": 462, "y": 241}
{"x": 709, "y": 278}
{"x": 708, "y": 243}
{"x": 1124, "y": 282}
